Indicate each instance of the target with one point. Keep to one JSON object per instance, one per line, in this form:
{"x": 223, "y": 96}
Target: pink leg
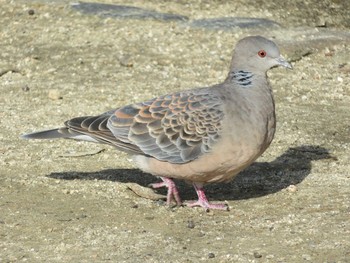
{"x": 172, "y": 194}
{"x": 203, "y": 201}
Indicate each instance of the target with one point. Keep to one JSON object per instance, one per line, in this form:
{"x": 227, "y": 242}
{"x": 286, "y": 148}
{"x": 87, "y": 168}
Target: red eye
{"x": 262, "y": 53}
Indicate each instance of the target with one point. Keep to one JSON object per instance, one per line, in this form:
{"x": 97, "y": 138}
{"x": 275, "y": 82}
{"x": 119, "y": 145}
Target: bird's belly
{"x": 226, "y": 160}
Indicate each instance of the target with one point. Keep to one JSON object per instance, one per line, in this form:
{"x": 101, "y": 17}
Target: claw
{"x": 203, "y": 201}
{"x": 173, "y": 193}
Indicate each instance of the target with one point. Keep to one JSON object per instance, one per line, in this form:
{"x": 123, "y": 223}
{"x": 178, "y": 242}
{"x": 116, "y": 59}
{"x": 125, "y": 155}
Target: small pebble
{"x": 201, "y": 234}
{"x": 292, "y": 188}
{"x": 82, "y": 216}
{"x": 31, "y": 12}
{"x": 54, "y": 94}
{"x": 257, "y": 255}
{"x": 321, "y": 22}
{"x": 306, "y": 257}
{"x": 190, "y": 224}
{"x": 25, "y": 88}
{"x": 126, "y": 61}
{"x": 211, "y": 255}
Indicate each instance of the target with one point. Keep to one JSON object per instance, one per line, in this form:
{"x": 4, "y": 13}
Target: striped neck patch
{"x": 242, "y": 78}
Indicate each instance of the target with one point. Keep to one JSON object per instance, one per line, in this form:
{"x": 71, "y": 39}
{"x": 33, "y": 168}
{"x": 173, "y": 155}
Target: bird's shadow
{"x": 259, "y": 179}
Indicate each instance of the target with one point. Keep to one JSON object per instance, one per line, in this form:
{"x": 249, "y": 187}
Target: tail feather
{"x": 48, "y": 134}
{"x": 60, "y": 133}
{"x": 81, "y": 134}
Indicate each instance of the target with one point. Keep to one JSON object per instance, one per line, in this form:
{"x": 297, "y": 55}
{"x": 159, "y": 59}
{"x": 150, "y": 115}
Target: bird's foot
{"x": 203, "y": 201}
{"x": 173, "y": 193}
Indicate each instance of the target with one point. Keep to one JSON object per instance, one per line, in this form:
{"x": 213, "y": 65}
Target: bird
{"x": 201, "y": 135}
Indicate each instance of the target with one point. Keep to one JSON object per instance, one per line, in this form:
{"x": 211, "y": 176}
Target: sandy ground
{"x": 65, "y": 201}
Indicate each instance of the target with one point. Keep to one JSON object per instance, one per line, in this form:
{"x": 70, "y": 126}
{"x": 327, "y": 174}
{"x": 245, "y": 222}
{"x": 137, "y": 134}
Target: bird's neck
{"x": 244, "y": 78}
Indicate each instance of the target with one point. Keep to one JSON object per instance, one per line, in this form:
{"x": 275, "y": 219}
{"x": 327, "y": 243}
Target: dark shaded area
{"x": 125, "y": 12}
{"x": 131, "y": 12}
{"x": 227, "y": 23}
{"x": 261, "y": 178}
{"x": 321, "y": 14}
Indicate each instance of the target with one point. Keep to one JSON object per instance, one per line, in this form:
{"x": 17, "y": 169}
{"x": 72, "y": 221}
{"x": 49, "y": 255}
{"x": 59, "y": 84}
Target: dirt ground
{"x": 67, "y": 201}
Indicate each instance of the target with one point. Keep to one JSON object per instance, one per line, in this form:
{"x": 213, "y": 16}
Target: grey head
{"x": 257, "y": 54}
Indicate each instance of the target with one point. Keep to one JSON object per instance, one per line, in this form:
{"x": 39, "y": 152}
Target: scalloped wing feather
{"x": 176, "y": 128}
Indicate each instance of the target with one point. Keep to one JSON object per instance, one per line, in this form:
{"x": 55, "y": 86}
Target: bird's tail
{"x": 61, "y": 133}
{"x": 49, "y": 134}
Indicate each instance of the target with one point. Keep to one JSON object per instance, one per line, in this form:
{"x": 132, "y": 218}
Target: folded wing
{"x": 176, "y": 128}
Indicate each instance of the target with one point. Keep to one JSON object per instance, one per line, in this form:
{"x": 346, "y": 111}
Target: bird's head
{"x": 257, "y": 54}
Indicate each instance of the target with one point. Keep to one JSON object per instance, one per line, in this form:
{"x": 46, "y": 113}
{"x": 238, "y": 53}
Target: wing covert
{"x": 177, "y": 128}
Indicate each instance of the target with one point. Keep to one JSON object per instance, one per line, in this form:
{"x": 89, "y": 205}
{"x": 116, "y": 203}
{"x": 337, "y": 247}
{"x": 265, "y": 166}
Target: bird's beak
{"x": 283, "y": 62}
